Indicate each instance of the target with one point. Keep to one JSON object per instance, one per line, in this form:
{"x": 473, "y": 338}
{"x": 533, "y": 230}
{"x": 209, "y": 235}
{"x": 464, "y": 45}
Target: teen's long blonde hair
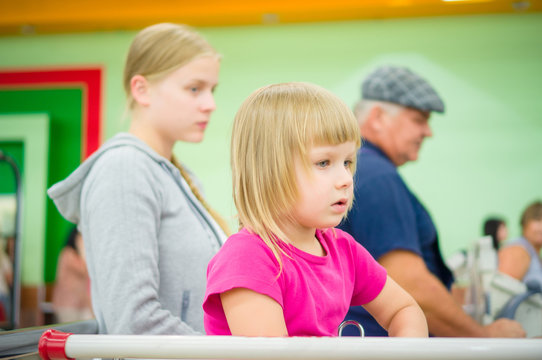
{"x": 275, "y": 124}
{"x": 157, "y": 51}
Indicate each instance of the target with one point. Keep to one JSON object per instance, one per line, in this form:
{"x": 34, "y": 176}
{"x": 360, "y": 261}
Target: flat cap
{"x": 401, "y": 86}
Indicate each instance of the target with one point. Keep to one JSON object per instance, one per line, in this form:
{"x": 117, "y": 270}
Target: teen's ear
{"x": 139, "y": 87}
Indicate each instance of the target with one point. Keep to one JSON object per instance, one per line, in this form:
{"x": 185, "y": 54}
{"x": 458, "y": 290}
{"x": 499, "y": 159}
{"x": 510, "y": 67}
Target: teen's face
{"x": 406, "y": 132}
{"x": 325, "y": 190}
{"x": 181, "y": 103}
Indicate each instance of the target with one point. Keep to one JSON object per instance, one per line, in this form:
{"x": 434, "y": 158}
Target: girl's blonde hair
{"x": 160, "y": 49}
{"x": 273, "y": 126}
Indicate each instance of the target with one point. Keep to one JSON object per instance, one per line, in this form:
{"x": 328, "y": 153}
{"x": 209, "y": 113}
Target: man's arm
{"x": 444, "y": 316}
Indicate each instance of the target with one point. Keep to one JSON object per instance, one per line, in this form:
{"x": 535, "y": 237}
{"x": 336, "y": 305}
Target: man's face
{"x": 404, "y": 134}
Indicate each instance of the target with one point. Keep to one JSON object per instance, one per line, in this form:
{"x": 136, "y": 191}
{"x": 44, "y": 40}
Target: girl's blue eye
{"x": 348, "y": 163}
{"x": 323, "y": 163}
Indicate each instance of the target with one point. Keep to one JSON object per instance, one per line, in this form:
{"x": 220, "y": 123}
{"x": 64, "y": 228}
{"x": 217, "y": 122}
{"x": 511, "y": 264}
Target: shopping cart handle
{"x": 52, "y": 345}
{"x": 509, "y": 309}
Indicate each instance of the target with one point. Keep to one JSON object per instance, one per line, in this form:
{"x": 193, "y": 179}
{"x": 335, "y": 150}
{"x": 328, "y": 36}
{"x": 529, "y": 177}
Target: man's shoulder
{"x": 372, "y": 163}
{"x": 375, "y": 171}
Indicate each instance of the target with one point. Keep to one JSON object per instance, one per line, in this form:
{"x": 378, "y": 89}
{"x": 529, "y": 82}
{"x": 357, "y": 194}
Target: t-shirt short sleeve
{"x": 244, "y": 261}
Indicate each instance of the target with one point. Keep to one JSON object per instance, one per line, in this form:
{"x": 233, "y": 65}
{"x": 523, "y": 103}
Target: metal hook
{"x": 351, "y": 322}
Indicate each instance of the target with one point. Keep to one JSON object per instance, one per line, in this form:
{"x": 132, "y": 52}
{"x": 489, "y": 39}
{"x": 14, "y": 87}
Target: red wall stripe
{"x": 89, "y": 78}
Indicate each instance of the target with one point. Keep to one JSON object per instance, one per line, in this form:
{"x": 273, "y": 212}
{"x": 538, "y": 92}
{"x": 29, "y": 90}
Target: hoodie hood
{"x": 66, "y": 194}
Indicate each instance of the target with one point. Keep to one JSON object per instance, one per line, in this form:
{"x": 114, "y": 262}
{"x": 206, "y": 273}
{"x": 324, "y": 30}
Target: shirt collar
{"x": 370, "y": 148}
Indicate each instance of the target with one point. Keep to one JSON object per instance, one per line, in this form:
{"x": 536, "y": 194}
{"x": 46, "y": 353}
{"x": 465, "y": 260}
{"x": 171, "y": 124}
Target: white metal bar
{"x": 313, "y": 348}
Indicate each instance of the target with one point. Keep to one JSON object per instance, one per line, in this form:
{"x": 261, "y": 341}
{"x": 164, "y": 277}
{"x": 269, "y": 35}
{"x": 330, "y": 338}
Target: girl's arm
{"x": 396, "y": 311}
{"x": 252, "y": 314}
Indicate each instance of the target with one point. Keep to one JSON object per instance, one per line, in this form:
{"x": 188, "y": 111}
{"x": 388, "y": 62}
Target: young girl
{"x": 288, "y": 272}
{"x": 148, "y": 233}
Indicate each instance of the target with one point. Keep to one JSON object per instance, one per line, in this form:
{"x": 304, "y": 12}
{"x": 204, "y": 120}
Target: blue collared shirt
{"x": 387, "y": 216}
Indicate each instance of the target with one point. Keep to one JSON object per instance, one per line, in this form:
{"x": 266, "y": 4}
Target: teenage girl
{"x": 148, "y": 232}
{"x": 288, "y": 272}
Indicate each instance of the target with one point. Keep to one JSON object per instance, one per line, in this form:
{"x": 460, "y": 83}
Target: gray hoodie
{"x": 147, "y": 239}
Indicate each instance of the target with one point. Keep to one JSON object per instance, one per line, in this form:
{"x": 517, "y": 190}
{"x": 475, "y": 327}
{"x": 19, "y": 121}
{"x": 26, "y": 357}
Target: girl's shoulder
{"x": 245, "y": 240}
{"x": 124, "y": 154}
{"x": 243, "y": 250}
{"x": 127, "y": 161}
{"x": 125, "y": 149}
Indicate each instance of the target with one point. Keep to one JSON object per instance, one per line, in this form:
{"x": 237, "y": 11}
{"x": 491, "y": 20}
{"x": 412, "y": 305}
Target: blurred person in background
{"x": 521, "y": 258}
{"x": 497, "y": 229}
{"x": 6, "y": 280}
{"x": 71, "y": 295}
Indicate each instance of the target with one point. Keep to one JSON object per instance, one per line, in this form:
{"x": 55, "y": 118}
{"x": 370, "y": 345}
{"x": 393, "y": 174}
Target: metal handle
{"x": 351, "y": 322}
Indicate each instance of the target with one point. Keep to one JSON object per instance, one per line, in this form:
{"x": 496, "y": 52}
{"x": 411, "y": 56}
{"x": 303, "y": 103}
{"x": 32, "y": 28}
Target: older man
{"x": 388, "y": 219}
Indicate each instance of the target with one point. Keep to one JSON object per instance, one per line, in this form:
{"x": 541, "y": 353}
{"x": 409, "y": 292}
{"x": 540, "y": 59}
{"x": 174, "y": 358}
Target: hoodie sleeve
{"x": 121, "y": 204}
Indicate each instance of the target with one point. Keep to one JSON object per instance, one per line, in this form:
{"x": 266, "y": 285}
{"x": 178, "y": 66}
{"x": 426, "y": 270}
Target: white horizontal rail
{"x": 299, "y": 348}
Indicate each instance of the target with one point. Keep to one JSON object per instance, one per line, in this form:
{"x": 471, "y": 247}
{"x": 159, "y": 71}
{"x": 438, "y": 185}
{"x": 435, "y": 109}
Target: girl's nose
{"x": 345, "y": 179}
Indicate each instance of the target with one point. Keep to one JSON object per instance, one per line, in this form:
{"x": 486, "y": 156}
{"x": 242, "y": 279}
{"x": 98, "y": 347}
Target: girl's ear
{"x": 139, "y": 86}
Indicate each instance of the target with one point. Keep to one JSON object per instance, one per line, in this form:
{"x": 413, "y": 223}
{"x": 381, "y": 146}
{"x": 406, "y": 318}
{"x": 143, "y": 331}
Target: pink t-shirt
{"x": 314, "y": 291}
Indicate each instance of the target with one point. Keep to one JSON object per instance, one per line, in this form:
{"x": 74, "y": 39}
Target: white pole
{"x": 299, "y": 348}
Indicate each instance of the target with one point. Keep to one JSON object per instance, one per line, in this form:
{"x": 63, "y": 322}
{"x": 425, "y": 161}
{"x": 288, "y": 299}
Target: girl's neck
{"x": 303, "y": 239}
{"x": 151, "y": 137}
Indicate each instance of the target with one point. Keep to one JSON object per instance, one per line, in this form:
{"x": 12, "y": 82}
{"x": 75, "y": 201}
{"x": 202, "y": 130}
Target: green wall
{"x": 484, "y": 157}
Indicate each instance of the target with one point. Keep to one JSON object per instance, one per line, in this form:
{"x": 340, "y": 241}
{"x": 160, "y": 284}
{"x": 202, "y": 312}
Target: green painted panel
{"x": 65, "y": 109}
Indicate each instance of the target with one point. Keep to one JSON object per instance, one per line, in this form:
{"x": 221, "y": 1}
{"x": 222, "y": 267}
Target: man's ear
{"x": 139, "y": 87}
{"x": 375, "y": 118}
